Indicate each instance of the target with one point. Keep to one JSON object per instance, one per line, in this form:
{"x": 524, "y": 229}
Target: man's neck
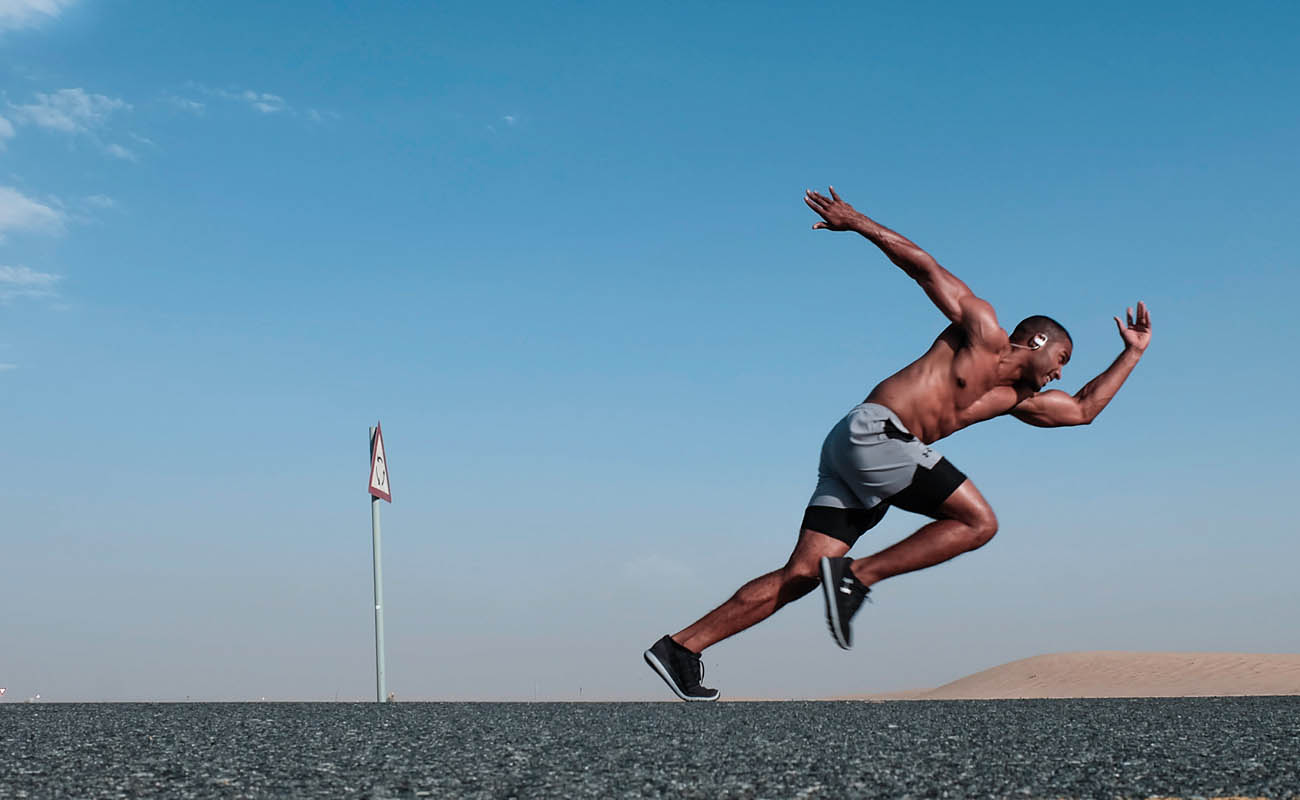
{"x": 1011, "y": 367}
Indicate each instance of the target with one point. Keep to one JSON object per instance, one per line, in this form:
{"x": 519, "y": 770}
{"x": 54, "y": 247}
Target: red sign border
{"x": 375, "y": 447}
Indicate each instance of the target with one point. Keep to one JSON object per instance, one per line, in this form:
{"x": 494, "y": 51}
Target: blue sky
{"x": 560, "y": 252}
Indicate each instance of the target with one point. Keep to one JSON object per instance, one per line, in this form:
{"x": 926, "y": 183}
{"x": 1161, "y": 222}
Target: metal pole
{"x": 380, "y": 694}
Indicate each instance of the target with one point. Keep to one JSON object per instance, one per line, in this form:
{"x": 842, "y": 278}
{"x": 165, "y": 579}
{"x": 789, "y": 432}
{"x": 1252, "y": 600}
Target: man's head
{"x": 1046, "y": 345}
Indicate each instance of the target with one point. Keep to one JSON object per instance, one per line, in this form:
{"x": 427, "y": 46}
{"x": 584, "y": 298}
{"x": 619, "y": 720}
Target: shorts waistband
{"x": 877, "y": 410}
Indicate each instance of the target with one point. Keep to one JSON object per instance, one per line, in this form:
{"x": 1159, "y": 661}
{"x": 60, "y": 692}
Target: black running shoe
{"x": 844, "y": 595}
{"x": 681, "y": 669}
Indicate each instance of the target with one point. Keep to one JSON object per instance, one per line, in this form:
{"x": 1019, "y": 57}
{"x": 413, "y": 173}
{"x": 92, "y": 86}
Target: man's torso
{"x": 952, "y": 386}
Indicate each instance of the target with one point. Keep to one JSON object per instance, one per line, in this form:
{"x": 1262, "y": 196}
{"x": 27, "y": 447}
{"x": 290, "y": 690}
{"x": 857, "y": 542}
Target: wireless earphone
{"x": 1038, "y": 341}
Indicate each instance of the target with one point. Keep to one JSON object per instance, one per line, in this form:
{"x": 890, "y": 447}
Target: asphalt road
{"x": 1034, "y": 748}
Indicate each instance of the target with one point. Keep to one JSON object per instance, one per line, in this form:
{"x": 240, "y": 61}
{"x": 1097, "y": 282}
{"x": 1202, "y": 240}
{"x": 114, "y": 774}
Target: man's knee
{"x": 800, "y": 570}
{"x": 967, "y": 506}
{"x": 983, "y": 525}
{"x": 798, "y": 578}
{"x": 804, "y": 563}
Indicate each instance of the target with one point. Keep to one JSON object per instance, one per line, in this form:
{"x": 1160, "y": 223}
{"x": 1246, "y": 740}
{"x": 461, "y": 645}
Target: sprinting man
{"x": 879, "y": 455}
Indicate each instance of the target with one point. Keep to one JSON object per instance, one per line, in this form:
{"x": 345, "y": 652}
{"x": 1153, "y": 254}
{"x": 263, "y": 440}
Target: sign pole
{"x": 381, "y": 695}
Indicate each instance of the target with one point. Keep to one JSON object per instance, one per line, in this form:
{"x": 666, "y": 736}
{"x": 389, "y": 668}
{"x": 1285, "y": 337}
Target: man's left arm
{"x": 1056, "y": 408}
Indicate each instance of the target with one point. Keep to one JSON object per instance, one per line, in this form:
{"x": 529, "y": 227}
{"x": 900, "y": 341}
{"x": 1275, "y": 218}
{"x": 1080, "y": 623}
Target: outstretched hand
{"x": 837, "y": 214}
{"x": 1137, "y": 334}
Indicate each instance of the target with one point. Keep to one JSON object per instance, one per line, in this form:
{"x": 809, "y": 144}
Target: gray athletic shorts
{"x": 869, "y": 462}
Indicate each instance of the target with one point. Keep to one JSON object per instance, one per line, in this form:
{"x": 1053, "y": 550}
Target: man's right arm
{"x": 1054, "y": 409}
{"x": 952, "y": 296}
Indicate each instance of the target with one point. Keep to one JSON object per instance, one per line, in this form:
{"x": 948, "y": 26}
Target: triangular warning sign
{"x": 379, "y": 467}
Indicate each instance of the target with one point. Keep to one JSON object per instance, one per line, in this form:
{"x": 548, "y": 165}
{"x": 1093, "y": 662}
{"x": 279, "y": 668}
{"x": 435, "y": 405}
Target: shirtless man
{"x": 879, "y": 456}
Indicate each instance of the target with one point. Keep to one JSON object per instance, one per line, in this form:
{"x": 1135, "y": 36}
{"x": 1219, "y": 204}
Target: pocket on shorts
{"x": 892, "y": 431}
{"x": 866, "y": 427}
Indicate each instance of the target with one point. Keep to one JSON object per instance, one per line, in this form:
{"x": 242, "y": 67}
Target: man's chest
{"x": 973, "y": 378}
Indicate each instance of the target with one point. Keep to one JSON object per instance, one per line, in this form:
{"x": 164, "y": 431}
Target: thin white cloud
{"x": 263, "y": 102}
{"x": 6, "y": 130}
{"x": 510, "y": 121}
{"x": 19, "y": 212}
{"x": 7, "y": 367}
{"x": 316, "y": 115}
{"x": 118, "y": 151}
{"x": 185, "y": 103}
{"x": 16, "y": 14}
{"x": 25, "y": 282}
{"x": 77, "y": 112}
{"x": 69, "y": 110}
{"x": 101, "y": 201}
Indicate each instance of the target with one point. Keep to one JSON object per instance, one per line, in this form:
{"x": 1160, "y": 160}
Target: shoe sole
{"x": 658, "y": 667}
{"x": 832, "y": 607}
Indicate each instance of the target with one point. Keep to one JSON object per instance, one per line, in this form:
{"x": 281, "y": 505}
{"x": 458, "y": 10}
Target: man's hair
{"x": 1040, "y": 324}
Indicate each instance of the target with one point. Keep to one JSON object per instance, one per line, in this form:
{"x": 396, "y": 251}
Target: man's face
{"x": 1047, "y": 363}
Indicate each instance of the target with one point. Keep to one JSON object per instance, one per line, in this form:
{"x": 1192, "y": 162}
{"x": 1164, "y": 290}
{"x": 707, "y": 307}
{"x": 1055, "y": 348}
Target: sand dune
{"x": 1106, "y": 673}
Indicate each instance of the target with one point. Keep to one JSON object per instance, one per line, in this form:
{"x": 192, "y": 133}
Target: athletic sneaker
{"x": 680, "y": 668}
{"x": 844, "y": 595}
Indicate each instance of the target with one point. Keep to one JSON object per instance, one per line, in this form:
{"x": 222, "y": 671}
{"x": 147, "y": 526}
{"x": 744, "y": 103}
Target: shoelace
{"x": 693, "y": 682}
{"x": 855, "y": 602}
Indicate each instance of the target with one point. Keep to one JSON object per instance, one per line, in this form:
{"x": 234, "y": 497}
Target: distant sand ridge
{"x": 1106, "y": 673}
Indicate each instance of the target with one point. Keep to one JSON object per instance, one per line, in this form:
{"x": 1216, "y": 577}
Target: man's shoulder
{"x": 992, "y": 340}
{"x": 980, "y": 321}
{"x": 960, "y": 337}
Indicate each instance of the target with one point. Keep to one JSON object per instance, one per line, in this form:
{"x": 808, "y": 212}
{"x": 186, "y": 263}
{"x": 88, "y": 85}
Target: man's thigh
{"x": 813, "y": 545}
{"x": 931, "y": 489}
{"x": 844, "y": 525}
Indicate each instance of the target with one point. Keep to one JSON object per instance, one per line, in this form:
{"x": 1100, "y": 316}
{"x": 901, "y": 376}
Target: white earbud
{"x": 1038, "y": 341}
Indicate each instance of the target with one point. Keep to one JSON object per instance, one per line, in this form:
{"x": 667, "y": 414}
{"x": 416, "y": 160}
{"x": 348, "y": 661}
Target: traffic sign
{"x": 379, "y": 467}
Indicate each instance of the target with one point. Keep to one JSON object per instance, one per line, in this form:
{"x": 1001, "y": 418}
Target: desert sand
{"x": 1108, "y": 673}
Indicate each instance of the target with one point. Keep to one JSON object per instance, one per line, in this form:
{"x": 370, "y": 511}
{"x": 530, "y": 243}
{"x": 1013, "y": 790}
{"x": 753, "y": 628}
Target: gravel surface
{"x": 1031, "y": 748}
